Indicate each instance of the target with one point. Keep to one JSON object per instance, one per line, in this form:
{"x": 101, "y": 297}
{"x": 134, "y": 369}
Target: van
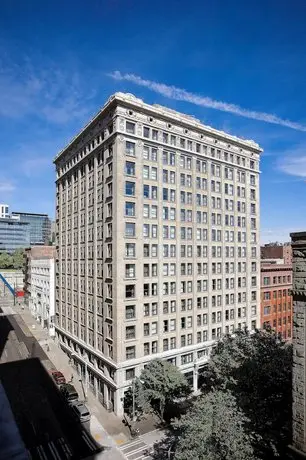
{"x": 69, "y": 392}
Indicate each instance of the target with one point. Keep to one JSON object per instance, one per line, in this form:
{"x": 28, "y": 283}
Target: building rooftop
{"x": 165, "y": 112}
{"x": 29, "y": 214}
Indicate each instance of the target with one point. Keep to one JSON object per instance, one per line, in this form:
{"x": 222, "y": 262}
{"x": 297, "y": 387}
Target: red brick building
{"x": 276, "y": 301}
{"x": 277, "y": 251}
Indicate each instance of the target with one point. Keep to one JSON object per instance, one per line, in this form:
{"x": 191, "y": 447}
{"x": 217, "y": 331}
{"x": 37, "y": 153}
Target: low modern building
{"x": 40, "y": 227}
{"x": 39, "y": 284}
{"x": 277, "y": 251}
{"x": 4, "y": 210}
{"x": 14, "y": 234}
{"x": 276, "y": 300}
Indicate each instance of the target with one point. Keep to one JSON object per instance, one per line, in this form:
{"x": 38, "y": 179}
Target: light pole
{"x": 133, "y": 400}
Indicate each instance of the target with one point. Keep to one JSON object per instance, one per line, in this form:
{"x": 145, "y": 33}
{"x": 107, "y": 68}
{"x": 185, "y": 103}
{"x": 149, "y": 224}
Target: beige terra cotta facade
{"x": 158, "y": 243}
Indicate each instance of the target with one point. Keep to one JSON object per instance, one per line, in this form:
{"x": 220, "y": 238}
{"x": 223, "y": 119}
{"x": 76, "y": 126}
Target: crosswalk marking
{"x": 136, "y": 450}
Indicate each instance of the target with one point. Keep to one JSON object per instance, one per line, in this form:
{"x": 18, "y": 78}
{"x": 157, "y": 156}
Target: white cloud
{"x": 182, "y": 95}
{"x": 293, "y": 161}
{"x": 6, "y": 186}
{"x": 48, "y": 93}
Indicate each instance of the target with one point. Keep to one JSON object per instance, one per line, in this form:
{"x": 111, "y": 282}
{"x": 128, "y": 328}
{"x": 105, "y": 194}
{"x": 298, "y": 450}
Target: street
{"x": 22, "y": 337}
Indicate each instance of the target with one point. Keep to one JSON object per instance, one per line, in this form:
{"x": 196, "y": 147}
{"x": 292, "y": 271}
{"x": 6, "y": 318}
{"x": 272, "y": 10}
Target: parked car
{"x": 81, "y": 411}
{"x": 58, "y": 377}
{"x": 69, "y": 392}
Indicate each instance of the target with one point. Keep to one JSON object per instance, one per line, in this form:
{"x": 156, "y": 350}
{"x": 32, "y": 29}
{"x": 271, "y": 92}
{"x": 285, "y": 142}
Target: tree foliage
{"x": 245, "y": 408}
{"x": 215, "y": 428}
{"x": 12, "y": 261}
{"x": 160, "y": 384}
{"x": 257, "y": 369}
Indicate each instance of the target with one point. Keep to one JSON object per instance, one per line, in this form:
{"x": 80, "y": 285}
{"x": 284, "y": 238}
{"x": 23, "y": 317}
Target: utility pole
{"x": 133, "y": 396}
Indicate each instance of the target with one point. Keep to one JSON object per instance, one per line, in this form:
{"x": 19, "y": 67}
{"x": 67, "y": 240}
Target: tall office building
{"x": 40, "y": 227}
{"x": 158, "y": 243}
{"x": 13, "y": 235}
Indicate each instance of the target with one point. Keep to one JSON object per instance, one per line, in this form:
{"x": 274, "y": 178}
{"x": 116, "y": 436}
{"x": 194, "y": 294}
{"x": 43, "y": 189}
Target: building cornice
{"x": 187, "y": 121}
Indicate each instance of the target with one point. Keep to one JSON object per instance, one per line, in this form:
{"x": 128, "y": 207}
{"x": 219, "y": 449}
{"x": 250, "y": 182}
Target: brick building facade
{"x": 277, "y": 251}
{"x": 276, "y": 300}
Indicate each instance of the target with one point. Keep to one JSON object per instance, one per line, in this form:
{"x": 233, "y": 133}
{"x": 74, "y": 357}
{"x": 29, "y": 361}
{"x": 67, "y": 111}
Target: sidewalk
{"x": 105, "y": 427}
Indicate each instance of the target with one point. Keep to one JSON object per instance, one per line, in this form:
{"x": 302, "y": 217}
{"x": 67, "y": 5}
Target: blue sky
{"x": 57, "y": 58}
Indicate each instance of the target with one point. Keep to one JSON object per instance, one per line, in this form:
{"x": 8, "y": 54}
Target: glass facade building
{"x": 13, "y": 235}
{"x": 40, "y": 227}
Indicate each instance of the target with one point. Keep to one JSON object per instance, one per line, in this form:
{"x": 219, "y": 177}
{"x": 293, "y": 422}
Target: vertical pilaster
{"x": 299, "y": 346}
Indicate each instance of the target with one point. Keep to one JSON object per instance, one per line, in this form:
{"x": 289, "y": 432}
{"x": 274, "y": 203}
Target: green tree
{"x": 159, "y": 385}
{"x": 6, "y": 261}
{"x": 18, "y": 259}
{"x": 257, "y": 369}
{"x": 215, "y": 428}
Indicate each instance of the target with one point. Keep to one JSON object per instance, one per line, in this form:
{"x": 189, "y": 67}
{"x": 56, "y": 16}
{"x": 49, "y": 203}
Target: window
{"x": 154, "y": 328}
{"x": 154, "y": 212}
{"x": 130, "y": 332}
{"x": 130, "y": 148}
{"x": 146, "y": 329}
{"x": 130, "y": 311}
{"x": 146, "y": 230}
{"x": 129, "y": 209}
{"x": 146, "y": 348}
{"x": 130, "y": 168}
{"x": 130, "y": 352}
{"x": 130, "y": 373}
{"x": 267, "y": 310}
{"x": 188, "y": 358}
{"x": 154, "y": 347}
{"x": 154, "y": 173}
{"x": 146, "y": 172}
{"x": 130, "y": 127}
{"x": 129, "y": 229}
{"x": 146, "y": 191}
{"x": 130, "y": 291}
{"x": 146, "y": 132}
{"x": 154, "y": 134}
{"x": 130, "y": 188}
{"x": 130, "y": 270}
{"x": 154, "y": 250}
{"x": 130, "y": 249}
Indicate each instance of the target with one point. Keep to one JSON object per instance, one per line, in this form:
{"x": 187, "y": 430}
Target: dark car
{"x": 69, "y": 392}
{"x": 81, "y": 411}
{"x": 58, "y": 377}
